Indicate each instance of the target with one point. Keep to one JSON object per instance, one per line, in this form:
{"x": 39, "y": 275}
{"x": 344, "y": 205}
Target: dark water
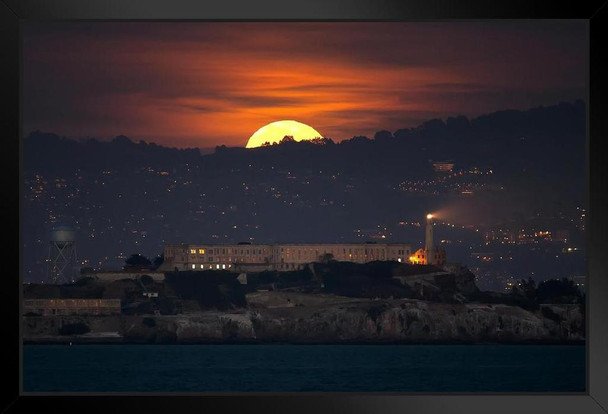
{"x": 295, "y": 368}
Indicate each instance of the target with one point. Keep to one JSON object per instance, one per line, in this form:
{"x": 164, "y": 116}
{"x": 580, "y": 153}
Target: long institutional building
{"x": 251, "y": 257}
{"x": 294, "y": 256}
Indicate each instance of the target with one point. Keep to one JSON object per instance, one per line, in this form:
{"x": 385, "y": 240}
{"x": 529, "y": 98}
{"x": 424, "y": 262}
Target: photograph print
{"x": 288, "y": 207}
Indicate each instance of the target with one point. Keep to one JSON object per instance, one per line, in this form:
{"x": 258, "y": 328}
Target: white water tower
{"x": 62, "y": 255}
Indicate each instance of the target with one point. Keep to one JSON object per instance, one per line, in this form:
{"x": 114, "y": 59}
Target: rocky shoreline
{"x": 277, "y": 317}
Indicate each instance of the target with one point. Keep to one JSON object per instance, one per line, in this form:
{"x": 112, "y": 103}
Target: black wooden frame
{"x": 14, "y": 12}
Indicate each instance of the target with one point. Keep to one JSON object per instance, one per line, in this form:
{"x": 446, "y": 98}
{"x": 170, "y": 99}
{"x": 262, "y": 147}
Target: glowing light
{"x": 416, "y": 260}
{"x": 276, "y": 131}
{"x": 429, "y": 216}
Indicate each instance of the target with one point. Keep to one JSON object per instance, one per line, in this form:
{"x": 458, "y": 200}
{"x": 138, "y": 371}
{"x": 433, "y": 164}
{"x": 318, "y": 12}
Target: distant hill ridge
{"x": 549, "y": 141}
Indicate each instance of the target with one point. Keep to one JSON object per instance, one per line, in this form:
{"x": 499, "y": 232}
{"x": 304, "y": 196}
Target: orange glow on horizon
{"x": 326, "y": 98}
{"x": 202, "y": 84}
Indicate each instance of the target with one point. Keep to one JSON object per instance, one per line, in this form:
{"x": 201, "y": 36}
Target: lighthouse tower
{"x": 429, "y": 255}
{"x": 429, "y": 244}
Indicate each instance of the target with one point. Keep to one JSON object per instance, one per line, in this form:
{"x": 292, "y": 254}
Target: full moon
{"x": 276, "y": 131}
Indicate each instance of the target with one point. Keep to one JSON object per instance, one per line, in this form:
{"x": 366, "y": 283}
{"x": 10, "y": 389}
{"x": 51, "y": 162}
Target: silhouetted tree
{"x": 458, "y": 124}
{"x": 321, "y": 141}
{"x": 383, "y": 136}
{"x": 122, "y": 140}
{"x": 137, "y": 262}
{"x": 558, "y": 291}
{"x": 357, "y": 139}
{"x": 529, "y": 288}
{"x": 146, "y": 280}
{"x": 327, "y": 257}
{"x": 402, "y": 134}
{"x": 524, "y": 293}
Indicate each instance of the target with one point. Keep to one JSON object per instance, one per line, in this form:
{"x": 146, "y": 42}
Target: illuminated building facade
{"x": 437, "y": 257}
{"x": 442, "y": 166}
{"x": 292, "y": 256}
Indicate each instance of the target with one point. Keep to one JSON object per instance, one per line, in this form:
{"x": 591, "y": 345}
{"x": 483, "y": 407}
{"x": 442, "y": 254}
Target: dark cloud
{"x": 197, "y": 108}
{"x": 456, "y": 87}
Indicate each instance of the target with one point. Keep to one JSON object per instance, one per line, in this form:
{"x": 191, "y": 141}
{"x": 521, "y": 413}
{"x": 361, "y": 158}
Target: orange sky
{"x": 207, "y": 84}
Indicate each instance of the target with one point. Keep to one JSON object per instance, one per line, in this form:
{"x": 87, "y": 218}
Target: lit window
{"x": 194, "y": 266}
{"x": 223, "y": 266}
{"x": 192, "y": 251}
{"x": 399, "y": 260}
{"x": 201, "y": 251}
{"x": 217, "y": 266}
{"x": 201, "y": 266}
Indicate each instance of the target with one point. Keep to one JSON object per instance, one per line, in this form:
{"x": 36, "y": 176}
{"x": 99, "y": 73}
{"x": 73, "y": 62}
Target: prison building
{"x": 291, "y": 256}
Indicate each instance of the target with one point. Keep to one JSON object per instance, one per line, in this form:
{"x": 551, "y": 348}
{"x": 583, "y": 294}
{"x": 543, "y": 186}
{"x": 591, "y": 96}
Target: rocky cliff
{"x": 300, "y": 318}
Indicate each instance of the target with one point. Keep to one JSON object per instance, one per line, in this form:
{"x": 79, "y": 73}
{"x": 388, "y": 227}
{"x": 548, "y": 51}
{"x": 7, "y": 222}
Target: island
{"x": 328, "y": 302}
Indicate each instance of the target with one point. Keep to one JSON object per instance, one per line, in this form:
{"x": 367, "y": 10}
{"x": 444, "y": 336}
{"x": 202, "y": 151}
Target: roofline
{"x": 284, "y": 244}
